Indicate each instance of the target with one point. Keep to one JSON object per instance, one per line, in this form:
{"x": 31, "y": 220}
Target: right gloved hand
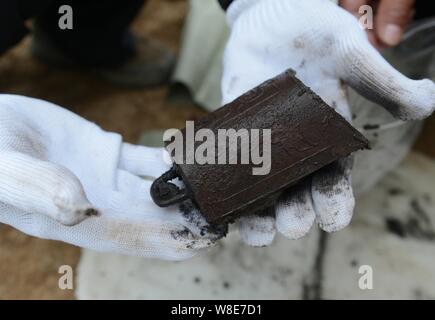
{"x": 63, "y": 178}
{"x": 327, "y": 48}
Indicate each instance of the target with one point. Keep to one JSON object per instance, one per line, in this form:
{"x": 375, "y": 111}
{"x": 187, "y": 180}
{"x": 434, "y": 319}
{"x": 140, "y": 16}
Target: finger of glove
{"x": 295, "y": 213}
{"x": 148, "y": 238}
{"x": 363, "y": 67}
{"x": 41, "y": 187}
{"x": 133, "y": 186}
{"x": 137, "y": 190}
{"x": 257, "y": 231}
{"x": 144, "y": 161}
{"x": 137, "y": 187}
{"x": 332, "y": 195}
{"x": 140, "y": 206}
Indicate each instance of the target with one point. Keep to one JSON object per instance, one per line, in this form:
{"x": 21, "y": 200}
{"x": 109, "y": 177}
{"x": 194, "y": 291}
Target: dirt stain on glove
{"x": 194, "y": 218}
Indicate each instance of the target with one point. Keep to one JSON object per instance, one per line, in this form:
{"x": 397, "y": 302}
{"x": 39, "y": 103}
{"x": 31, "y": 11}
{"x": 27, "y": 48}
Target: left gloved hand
{"x": 64, "y": 178}
{"x": 325, "y": 45}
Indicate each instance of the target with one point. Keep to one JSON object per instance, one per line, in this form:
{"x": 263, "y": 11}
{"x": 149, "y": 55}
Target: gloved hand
{"x": 325, "y": 45}
{"x": 63, "y": 178}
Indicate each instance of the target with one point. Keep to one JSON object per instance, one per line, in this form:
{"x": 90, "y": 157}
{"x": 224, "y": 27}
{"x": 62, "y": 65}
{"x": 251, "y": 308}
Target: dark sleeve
{"x": 424, "y": 9}
{"x": 12, "y": 28}
{"x": 13, "y": 15}
{"x": 225, "y": 3}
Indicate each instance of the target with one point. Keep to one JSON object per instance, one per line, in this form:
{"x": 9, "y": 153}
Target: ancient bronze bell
{"x": 305, "y": 135}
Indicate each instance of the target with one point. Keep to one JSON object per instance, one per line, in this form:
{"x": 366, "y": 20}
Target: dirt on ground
{"x": 28, "y": 266}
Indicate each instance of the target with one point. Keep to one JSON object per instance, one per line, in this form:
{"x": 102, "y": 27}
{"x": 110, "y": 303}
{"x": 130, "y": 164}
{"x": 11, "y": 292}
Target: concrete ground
{"x": 28, "y": 266}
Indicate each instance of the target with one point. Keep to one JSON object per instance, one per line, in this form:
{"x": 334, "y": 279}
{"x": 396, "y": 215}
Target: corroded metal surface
{"x": 306, "y": 135}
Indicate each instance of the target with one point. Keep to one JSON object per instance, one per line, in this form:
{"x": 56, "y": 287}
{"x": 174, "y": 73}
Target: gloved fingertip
{"x": 335, "y": 225}
{"x": 264, "y": 241}
{"x": 295, "y": 214}
{"x": 337, "y": 215}
{"x": 419, "y": 103}
{"x": 295, "y": 231}
{"x": 332, "y": 194}
{"x": 72, "y": 217}
{"x": 92, "y": 212}
{"x": 144, "y": 161}
{"x": 257, "y": 231}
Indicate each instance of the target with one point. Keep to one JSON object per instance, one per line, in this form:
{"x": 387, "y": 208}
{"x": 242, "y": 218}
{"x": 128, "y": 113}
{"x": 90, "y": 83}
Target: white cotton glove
{"x": 63, "y": 178}
{"x": 325, "y": 45}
